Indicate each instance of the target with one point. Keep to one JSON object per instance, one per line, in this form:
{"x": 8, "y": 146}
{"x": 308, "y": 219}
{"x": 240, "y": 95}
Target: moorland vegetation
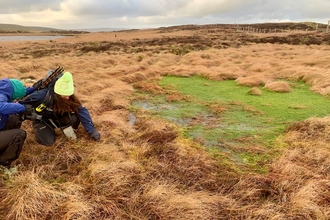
{"x": 144, "y": 167}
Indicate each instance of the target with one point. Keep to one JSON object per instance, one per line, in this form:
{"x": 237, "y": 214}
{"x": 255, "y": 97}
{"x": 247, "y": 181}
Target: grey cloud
{"x": 128, "y": 8}
{"x": 269, "y": 10}
{"x": 316, "y": 9}
{"x": 153, "y": 13}
{"x": 21, "y": 6}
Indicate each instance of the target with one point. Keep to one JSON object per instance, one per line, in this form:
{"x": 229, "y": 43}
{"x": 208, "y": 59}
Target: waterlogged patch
{"x": 224, "y": 116}
{"x": 208, "y": 128}
{"x": 152, "y": 106}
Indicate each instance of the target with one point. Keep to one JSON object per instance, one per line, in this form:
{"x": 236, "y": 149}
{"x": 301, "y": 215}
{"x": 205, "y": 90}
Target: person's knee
{"x": 21, "y": 135}
{"x": 14, "y": 147}
{"x": 44, "y": 134}
{"x": 15, "y": 121}
{"x": 46, "y": 141}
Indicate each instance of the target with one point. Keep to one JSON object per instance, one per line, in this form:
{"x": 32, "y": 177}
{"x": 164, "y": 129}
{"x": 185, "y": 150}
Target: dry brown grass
{"x": 253, "y": 80}
{"x": 255, "y": 91}
{"x": 278, "y": 86}
{"x": 146, "y": 170}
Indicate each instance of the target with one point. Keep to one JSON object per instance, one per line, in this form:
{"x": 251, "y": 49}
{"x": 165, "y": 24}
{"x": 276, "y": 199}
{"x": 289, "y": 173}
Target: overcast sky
{"x": 73, "y": 14}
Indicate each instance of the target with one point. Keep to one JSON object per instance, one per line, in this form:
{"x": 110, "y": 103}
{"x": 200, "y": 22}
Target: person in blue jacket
{"x": 12, "y": 137}
{"x": 58, "y": 107}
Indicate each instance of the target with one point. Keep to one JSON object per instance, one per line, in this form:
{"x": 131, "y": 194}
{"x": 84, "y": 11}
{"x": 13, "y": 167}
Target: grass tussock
{"x": 253, "y": 80}
{"x": 255, "y": 91}
{"x": 278, "y": 86}
{"x": 149, "y": 87}
{"x": 30, "y": 197}
{"x": 312, "y": 129}
{"x": 297, "y": 185}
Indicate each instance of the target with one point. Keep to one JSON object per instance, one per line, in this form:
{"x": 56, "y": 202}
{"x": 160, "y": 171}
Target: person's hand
{"x": 31, "y": 114}
{"x": 28, "y": 109}
{"x": 21, "y": 116}
{"x": 29, "y": 90}
{"x": 95, "y": 135}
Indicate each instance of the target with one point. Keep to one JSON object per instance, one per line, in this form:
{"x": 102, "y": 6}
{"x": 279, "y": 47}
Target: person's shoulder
{"x": 3, "y": 98}
{"x": 6, "y": 87}
{"x": 5, "y": 79}
{"x": 4, "y": 83}
{"x": 44, "y": 91}
{"x": 41, "y": 93}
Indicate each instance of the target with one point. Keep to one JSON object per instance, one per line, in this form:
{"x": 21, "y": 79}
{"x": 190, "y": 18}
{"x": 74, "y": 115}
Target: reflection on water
{"x": 22, "y": 38}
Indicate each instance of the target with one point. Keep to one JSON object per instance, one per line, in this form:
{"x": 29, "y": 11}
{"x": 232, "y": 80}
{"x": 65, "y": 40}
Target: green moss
{"x": 222, "y": 115}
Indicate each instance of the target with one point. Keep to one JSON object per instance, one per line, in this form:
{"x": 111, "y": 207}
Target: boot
{"x": 5, "y": 164}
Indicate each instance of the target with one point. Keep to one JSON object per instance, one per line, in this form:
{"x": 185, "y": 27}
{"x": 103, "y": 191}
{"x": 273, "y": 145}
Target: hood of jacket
{"x": 6, "y": 88}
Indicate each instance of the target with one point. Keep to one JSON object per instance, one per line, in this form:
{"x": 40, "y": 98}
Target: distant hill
{"x": 19, "y": 28}
{"x": 100, "y": 29}
{"x": 10, "y": 28}
{"x": 13, "y": 28}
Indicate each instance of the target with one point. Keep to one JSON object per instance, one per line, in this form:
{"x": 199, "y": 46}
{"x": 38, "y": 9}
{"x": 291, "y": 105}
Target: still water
{"x": 27, "y": 38}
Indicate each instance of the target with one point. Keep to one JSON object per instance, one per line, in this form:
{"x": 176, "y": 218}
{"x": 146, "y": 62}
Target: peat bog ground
{"x": 147, "y": 167}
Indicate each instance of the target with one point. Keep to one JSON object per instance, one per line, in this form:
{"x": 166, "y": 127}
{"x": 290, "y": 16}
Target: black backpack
{"x": 48, "y": 82}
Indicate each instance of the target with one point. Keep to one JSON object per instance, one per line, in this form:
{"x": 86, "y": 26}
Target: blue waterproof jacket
{"x": 6, "y": 106}
{"x": 38, "y": 97}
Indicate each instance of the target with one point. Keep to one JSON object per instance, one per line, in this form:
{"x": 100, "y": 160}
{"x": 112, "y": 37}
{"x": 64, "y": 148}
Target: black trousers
{"x": 44, "y": 130}
{"x": 11, "y": 140}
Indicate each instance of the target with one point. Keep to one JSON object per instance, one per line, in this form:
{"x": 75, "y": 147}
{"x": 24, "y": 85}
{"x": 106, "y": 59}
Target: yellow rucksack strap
{"x": 41, "y": 107}
{"x": 45, "y": 103}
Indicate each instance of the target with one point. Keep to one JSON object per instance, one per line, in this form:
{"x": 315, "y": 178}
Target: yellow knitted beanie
{"x": 64, "y": 85}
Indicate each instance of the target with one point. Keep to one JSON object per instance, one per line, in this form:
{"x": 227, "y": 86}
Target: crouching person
{"x": 12, "y": 137}
{"x": 12, "y": 140}
{"x": 57, "y": 107}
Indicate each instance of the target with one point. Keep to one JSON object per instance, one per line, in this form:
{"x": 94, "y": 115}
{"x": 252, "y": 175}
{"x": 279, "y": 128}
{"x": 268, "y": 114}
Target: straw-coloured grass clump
{"x": 31, "y": 197}
{"x": 255, "y": 91}
{"x": 298, "y": 180}
{"x": 254, "y": 80}
{"x": 306, "y": 168}
{"x": 311, "y": 129}
{"x": 160, "y": 136}
{"x": 278, "y": 86}
{"x": 149, "y": 87}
